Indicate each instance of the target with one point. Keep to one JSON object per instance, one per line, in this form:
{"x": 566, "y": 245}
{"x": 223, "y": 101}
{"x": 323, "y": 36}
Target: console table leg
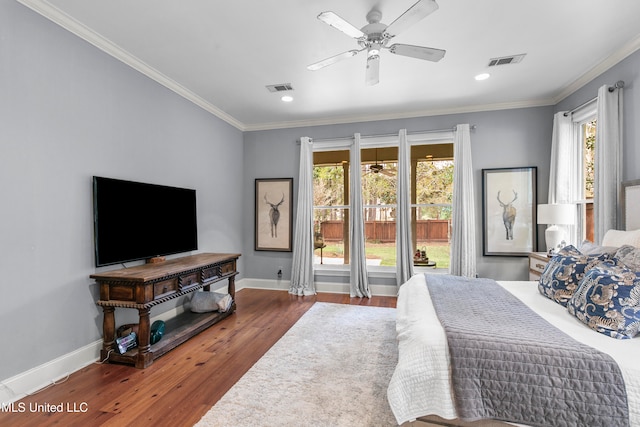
{"x": 232, "y": 287}
{"x": 108, "y": 331}
{"x": 145, "y": 356}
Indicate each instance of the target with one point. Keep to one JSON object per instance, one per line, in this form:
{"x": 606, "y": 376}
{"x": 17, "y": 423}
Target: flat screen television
{"x": 135, "y": 220}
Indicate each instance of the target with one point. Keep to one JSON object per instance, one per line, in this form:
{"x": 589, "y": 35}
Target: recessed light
{"x": 483, "y": 76}
{"x": 287, "y": 98}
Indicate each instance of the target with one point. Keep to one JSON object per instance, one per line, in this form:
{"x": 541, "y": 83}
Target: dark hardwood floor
{"x": 181, "y": 386}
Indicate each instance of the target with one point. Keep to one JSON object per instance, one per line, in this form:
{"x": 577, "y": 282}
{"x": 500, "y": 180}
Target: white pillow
{"x": 204, "y": 302}
{"x": 619, "y": 238}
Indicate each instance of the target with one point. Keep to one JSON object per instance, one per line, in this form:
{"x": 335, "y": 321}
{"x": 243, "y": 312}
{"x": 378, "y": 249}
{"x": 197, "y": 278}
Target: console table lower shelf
{"x": 179, "y": 329}
{"x": 143, "y": 287}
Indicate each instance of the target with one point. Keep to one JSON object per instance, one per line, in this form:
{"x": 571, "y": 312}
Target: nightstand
{"x": 537, "y": 262}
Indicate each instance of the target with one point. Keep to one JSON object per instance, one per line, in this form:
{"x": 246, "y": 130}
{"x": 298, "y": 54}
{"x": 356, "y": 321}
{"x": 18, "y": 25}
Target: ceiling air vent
{"x": 505, "y": 60}
{"x": 282, "y": 87}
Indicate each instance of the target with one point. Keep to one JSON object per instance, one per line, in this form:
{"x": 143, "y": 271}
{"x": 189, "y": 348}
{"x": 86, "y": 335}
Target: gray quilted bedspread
{"x": 510, "y": 364}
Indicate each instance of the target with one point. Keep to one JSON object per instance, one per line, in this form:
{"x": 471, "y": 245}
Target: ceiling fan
{"x": 375, "y": 36}
{"x": 379, "y": 168}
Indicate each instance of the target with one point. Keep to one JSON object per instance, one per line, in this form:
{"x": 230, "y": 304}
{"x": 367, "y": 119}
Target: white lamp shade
{"x": 556, "y": 214}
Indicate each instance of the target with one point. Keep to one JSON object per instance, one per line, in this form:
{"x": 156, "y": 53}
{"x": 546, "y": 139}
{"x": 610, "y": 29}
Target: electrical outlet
{"x": 279, "y": 272}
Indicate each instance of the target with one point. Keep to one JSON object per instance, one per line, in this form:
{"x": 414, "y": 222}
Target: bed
{"x": 421, "y": 385}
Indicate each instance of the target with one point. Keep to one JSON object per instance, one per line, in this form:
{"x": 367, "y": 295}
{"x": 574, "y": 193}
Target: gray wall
{"x": 67, "y": 112}
{"x": 509, "y": 138}
{"x": 627, "y": 70}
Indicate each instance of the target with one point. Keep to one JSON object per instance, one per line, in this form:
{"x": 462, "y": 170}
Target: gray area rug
{"x": 332, "y": 368}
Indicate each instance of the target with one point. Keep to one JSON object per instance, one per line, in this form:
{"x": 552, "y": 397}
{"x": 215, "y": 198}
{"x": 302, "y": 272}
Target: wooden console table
{"x": 144, "y": 286}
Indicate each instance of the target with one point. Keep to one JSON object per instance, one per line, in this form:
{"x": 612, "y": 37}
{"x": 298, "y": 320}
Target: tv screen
{"x": 134, "y": 220}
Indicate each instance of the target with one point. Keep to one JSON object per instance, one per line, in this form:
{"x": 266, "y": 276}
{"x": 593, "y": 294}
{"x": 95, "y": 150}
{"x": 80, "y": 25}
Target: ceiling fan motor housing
{"x": 374, "y": 31}
{"x": 376, "y": 168}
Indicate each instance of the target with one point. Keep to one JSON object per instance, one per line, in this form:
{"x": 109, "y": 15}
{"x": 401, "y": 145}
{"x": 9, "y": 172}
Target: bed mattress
{"x": 421, "y": 385}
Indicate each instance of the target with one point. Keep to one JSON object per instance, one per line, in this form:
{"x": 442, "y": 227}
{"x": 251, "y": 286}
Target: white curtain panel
{"x": 359, "y": 279}
{"x": 608, "y": 165}
{"x": 302, "y": 264}
{"x": 565, "y": 171}
{"x": 404, "y": 253}
{"x": 463, "y": 238}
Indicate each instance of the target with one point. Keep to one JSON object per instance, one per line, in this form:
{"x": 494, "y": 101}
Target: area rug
{"x": 332, "y": 368}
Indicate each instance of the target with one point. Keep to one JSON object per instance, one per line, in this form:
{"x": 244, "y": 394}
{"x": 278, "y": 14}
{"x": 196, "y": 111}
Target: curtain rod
{"x": 618, "y": 85}
{"x": 472, "y": 127}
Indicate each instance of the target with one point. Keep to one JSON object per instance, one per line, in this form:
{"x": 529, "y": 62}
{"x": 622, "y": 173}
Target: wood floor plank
{"x": 182, "y": 385}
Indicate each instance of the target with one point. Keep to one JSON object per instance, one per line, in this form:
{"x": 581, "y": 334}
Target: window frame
{"x": 367, "y": 142}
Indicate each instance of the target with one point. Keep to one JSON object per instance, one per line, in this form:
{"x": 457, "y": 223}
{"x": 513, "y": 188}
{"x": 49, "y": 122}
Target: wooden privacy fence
{"x": 435, "y": 230}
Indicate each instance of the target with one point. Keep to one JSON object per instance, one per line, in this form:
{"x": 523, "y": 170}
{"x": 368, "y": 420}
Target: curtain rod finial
{"x": 618, "y": 85}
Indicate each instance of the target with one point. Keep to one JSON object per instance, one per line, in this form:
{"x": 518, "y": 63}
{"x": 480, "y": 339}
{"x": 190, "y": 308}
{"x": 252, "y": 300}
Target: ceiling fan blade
{"x": 373, "y": 70}
{"x": 333, "y": 59}
{"x": 338, "y": 23}
{"x": 415, "y": 13}
{"x": 420, "y": 52}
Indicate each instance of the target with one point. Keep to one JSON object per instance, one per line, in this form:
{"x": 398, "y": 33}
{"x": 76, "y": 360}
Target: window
{"x": 589, "y": 153}
{"x": 331, "y": 207}
{"x": 586, "y": 134}
{"x": 379, "y": 187}
{"x": 588, "y": 137}
{"x": 431, "y": 198}
{"x": 431, "y": 230}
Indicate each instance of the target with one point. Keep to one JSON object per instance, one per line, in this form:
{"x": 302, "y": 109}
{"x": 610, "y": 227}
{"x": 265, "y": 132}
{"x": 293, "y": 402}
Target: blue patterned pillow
{"x": 563, "y": 273}
{"x": 608, "y": 300}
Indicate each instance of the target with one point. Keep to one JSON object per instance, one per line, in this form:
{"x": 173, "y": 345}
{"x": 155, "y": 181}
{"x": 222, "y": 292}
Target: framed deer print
{"x": 509, "y": 211}
{"x": 274, "y": 214}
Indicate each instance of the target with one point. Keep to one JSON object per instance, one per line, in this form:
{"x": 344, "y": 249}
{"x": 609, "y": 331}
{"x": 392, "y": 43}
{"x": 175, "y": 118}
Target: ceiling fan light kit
{"x": 375, "y": 36}
{"x": 373, "y": 70}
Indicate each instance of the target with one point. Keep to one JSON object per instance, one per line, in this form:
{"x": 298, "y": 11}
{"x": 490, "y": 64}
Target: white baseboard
{"x": 57, "y": 370}
{"x": 329, "y": 287}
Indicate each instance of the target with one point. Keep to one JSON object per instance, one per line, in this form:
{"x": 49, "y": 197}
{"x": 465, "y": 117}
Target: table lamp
{"x": 554, "y": 215}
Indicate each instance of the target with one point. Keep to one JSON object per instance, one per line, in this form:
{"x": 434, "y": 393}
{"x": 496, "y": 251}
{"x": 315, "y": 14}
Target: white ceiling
{"x": 222, "y": 54}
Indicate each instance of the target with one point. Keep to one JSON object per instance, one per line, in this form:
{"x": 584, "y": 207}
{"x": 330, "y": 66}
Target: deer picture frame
{"x": 274, "y": 214}
{"x": 509, "y": 211}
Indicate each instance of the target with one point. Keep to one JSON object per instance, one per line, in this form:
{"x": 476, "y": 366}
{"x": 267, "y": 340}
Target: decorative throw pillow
{"x": 563, "y": 273}
{"x": 608, "y": 300}
{"x": 629, "y": 256}
{"x": 203, "y": 302}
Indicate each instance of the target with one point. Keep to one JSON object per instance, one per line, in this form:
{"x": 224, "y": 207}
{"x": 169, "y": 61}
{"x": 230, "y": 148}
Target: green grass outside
{"x": 386, "y": 252}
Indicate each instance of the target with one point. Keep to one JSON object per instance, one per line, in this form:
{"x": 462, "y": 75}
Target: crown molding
{"x": 627, "y": 49}
{"x": 55, "y": 15}
{"x": 404, "y": 115}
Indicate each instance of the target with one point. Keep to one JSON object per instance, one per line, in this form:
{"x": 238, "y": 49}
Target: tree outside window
{"x": 589, "y": 146}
